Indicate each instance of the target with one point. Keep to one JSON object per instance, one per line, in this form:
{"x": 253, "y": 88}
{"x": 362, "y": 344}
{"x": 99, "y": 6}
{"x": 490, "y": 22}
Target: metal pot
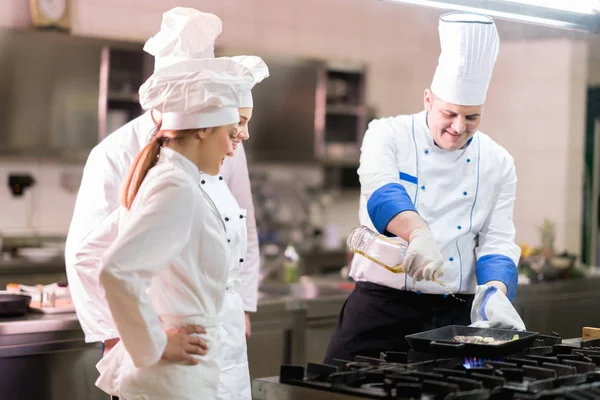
{"x": 14, "y": 305}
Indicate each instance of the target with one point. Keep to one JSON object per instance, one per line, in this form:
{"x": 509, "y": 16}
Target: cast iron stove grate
{"x": 548, "y": 370}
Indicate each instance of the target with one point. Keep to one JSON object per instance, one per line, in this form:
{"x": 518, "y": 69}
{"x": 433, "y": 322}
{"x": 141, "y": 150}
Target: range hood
{"x": 580, "y": 15}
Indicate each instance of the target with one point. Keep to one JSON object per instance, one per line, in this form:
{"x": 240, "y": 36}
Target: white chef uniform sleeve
{"x": 379, "y": 176}
{"x": 93, "y": 228}
{"x": 238, "y": 182}
{"x": 158, "y": 228}
{"x": 497, "y": 253}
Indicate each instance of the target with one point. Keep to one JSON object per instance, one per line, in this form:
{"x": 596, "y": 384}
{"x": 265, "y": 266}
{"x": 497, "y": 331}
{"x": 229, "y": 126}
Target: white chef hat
{"x": 259, "y": 71}
{"x": 196, "y": 94}
{"x": 469, "y": 44}
{"x": 185, "y": 33}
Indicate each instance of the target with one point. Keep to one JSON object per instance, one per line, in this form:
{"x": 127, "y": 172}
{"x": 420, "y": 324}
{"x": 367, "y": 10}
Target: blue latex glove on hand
{"x": 492, "y": 309}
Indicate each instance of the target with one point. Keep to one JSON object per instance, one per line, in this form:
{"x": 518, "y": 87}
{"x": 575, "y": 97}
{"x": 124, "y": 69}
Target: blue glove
{"x": 492, "y": 309}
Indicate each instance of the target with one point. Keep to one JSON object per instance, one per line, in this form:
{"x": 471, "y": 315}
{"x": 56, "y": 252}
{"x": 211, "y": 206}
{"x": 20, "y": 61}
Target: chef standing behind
{"x": 185, "y": 34}
{"x": 433, "y": 180}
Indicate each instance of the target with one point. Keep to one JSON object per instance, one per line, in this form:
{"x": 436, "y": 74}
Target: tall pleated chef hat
{"x": 259, "y": 71}
{"x": 196, "y": 94}
{"x": 185, "y": 33}
{"x": 469, "y": 44}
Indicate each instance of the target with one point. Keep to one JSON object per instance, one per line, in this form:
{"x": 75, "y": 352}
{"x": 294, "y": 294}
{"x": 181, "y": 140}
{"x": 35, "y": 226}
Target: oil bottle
{"x": 381, "y": 250}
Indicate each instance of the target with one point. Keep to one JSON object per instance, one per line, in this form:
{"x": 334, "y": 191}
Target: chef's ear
{"x": 203, "y": 133}
{"x": 428, "y": 99}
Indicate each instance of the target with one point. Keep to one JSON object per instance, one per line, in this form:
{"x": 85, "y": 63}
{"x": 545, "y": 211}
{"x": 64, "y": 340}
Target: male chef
{"x": 433, "y": 180}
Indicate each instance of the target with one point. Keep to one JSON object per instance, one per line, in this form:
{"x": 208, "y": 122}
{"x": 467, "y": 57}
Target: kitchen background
{"x": 335, "y": 65}
{"x": 536, "y": 104}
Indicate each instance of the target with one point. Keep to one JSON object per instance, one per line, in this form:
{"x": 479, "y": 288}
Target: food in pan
{"x": 481, "y": 340}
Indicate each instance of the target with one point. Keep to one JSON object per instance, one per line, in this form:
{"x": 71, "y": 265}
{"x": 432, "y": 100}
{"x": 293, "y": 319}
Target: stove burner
{"x": 474, "y": 362}
{"x": 547, "y": 371}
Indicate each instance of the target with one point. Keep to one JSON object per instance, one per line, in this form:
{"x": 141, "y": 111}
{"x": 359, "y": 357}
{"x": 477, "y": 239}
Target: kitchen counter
{"x": 45, "y": 357}
{"x": 293, "y": 325}
{"x": 38, "y": 323}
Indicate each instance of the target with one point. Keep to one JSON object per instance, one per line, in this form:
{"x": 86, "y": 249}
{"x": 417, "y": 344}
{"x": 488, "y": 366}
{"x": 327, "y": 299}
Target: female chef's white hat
{"x": 185, "y": 33}
{"x": 259, "y": 72}
{"x": 196, "y": 94}
{"x": 469, "y": 44}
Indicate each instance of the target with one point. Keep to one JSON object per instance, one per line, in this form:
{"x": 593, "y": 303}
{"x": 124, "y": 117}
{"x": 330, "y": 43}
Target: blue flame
{"x": 474, "y": 362}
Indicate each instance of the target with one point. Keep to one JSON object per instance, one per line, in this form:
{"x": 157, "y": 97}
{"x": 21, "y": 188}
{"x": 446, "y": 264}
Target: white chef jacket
{"x": 465, "y": 196}
{"x": 234, "y": 379}
{"x": 169, "y": 267}
{"x": 94, "y": 225}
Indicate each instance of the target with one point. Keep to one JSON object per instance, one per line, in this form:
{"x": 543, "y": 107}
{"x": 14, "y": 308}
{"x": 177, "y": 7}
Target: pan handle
{"x": 447, "y": 345}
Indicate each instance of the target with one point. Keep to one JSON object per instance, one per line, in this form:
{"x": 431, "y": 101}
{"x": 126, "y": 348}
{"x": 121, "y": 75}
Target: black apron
{"x": 376, "y": 318}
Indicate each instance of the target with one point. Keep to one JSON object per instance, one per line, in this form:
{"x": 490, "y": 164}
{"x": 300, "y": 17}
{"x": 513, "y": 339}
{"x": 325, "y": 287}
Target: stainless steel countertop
{"x": 312, "y": 297}
{"x": 37, "y": 323}
{"x": 34, "y": 322}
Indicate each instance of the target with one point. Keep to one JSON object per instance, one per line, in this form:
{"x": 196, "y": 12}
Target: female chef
{"x": 185, "y": 33}
{"x": 170, "y": 265}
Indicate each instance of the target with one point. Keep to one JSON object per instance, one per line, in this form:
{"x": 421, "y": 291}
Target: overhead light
{"x": 578, "y": 6}
{"x": 580, "y": 15}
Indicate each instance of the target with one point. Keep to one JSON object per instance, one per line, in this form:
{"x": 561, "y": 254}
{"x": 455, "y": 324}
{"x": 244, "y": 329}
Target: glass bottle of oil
{"x": 386, "y": 252}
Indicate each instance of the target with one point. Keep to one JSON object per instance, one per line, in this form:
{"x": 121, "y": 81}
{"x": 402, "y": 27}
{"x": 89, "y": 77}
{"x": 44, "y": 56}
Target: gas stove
{"x": 550, "y": 369}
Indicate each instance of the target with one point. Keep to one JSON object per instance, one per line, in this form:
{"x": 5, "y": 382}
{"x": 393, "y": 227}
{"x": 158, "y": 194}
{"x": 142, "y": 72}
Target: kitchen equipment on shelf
{"x": 40, "y": 254}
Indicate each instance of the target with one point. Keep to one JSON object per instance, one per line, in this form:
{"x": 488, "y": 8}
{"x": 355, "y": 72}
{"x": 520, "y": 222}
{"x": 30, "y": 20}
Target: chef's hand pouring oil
{"x": 383, "y": 251}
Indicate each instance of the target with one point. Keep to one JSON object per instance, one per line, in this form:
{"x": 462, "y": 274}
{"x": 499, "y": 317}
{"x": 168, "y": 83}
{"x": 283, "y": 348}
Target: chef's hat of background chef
{"x": 185, "y": 33}
{"x": 469, "y": 44}
{"x": 196, "y": 94}
{"x": 259, "y": 71}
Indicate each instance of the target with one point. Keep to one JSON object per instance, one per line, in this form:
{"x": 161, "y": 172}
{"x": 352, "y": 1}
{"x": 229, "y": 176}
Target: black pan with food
{"x": 456, "y": 340}
{"x": 13, "y": 305}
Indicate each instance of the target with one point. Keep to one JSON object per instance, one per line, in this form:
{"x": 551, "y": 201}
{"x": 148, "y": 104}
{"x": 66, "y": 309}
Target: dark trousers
{"x": 376, "y": 318}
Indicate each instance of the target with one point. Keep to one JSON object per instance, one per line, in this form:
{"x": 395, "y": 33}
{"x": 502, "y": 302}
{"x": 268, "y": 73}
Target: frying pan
{"x": 440, "y": 341}
{"x": 12, "y": 305}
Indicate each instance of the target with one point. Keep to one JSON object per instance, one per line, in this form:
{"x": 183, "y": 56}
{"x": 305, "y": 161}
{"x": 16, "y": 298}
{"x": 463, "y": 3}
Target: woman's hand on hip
{"x": 183, "y": 343}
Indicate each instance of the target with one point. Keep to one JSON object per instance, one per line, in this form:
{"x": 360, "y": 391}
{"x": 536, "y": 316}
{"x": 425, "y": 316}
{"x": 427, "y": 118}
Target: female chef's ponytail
{"x": 140, "y": 167}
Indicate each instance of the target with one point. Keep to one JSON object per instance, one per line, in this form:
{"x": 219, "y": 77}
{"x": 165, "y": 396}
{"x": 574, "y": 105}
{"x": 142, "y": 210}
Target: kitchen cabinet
{"x": 310, "y": 110}
{"x": 318, "y": 334}
{"x": 321, "y": 320}
{"x": 45, "y": 357}
{"x": 273, "y": 339}
{"x": 563, "y": 306}
{"x": 48, "y": 92}
{"x": 59, "y": 93}
{"x": 123, "y": 70}
{"x": 55, "y": 371}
